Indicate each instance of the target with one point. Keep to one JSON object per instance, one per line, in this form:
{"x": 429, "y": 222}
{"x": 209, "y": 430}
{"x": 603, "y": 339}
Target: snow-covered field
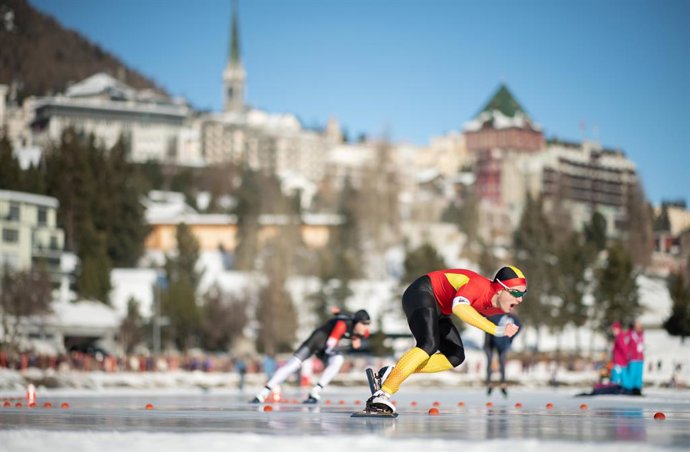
{"x": 223, "y": 420}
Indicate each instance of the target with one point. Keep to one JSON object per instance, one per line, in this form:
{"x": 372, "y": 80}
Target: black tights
{"x": 433, "y": 331}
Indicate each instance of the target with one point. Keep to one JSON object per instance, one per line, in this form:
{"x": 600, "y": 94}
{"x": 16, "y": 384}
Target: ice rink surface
{"x": 223, "y": 420}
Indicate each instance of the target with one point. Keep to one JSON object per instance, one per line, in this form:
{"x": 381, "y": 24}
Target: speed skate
{"x": 371, "y": 411}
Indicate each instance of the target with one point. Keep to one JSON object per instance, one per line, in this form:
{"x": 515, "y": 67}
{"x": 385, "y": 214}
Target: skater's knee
{"x": 336, "y": 360}
{"x": 429, "y": 345}
{"x": 457, "y": 358}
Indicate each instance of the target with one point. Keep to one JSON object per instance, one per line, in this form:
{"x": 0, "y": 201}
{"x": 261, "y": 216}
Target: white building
{"x": 30, "y": 236}
{"x": 585, "y": 177}
{"x": 109, "y": 109}
{"x": 29, "y": 230}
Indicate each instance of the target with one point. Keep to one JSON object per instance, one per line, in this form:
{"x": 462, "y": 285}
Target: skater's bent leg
{"x": 422, "y": 312}
{"x": 438, "y": 362}
{"x": 335, "y": 362}
{"x": 450, "y": 347}
{"x": 290, "y": 367}
{"x": 406, "y": 366}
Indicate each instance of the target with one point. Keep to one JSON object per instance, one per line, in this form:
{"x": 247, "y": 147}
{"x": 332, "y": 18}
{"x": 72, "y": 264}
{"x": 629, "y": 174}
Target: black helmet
{"x": 362, "y": 316}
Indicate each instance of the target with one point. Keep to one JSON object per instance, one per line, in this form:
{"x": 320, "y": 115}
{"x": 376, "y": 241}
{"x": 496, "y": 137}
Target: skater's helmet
{"x": 510, "y": 276}
{"x": 362, "y": 316}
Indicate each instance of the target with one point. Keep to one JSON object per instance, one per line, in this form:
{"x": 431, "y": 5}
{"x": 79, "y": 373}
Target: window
{"x": 10, "y": 235}
{"x": 13, "y": 215}
{"x": 42, "y": 216}
{"x": 53, "y": 242}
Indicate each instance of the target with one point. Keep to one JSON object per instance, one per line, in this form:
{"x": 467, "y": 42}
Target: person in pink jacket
{"x": 636, "y": 356}
{"x": 620, "y": 355}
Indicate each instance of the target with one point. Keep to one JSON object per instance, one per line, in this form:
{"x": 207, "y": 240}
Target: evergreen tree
{"x": 93, "y": 281}
{"x": 179, "y": 305}
{"x": 595, "y": 233}
{"x": 535, "y": 256}
{"x": 99, "y": 206}
{"x": 678, "y": 323}
{"x": 72, "y": 170}
{"x": 34, "y": 179}
{"x": 570, "y": 284}
{"x": 69, "y": 178}
{"x": 179, "y": 301}
{"x": 615, "y": 292}
{"x": 248, "y": 210}
{"x": 183, "y": 264}
{"x": 10, "y": 171}
{"x": 275, "y": 313}
{"x": 346, "y": 243}
{"x": 125, "y": 227}
{"x": 421, "y": 261}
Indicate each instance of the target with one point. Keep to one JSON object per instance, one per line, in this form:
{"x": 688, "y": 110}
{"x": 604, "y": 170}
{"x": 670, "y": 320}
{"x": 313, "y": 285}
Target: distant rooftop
{"x": 501, "y": 112}
{"x": 99, "y": 84}
{"x": 504, "y": 101}
{"x": 29, "y": 198}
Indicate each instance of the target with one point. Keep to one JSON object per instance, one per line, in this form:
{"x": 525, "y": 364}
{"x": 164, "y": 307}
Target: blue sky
{"x": 418, "y": 69}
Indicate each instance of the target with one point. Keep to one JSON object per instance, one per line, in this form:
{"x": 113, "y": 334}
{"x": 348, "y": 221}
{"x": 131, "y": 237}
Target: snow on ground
{"x": 29, "y": 440}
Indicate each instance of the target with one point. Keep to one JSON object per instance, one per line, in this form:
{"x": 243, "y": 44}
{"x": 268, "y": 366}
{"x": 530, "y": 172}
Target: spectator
{"x": 620, "y": 355}
{"x": 241, "y": 368}
{"x": 636, "y": 355}
{"x": 501, "y": 345}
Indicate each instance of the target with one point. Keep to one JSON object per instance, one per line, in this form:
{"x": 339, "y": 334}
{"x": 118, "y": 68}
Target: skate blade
{"x": 380, "y": 414}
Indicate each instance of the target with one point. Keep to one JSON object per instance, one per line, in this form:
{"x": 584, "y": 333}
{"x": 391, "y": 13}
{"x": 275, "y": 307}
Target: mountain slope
{"x": 42, "y": 57}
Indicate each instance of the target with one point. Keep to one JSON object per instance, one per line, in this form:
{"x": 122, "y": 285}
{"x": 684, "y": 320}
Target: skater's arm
{"x": 336, "y": 333}
{"x": 469, "y": 315}
{"x": 466, "y": 313}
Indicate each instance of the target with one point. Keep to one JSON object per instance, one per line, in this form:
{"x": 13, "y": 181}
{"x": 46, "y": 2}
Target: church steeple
{"x": 234, "y": 76}
{"x": 234, "y": 37}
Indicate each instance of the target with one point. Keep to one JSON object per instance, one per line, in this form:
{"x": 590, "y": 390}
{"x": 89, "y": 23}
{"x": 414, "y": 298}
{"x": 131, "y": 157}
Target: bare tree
{"x": 639, "y": 226}
{"x": 23, "y": 294}
{"x": 223, "y": 319}
{"x": 132, "y": 326}
{"x": 377, "y": 212}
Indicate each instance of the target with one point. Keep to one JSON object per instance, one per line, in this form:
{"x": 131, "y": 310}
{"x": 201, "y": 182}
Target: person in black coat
{"x": 500, "y": 345}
